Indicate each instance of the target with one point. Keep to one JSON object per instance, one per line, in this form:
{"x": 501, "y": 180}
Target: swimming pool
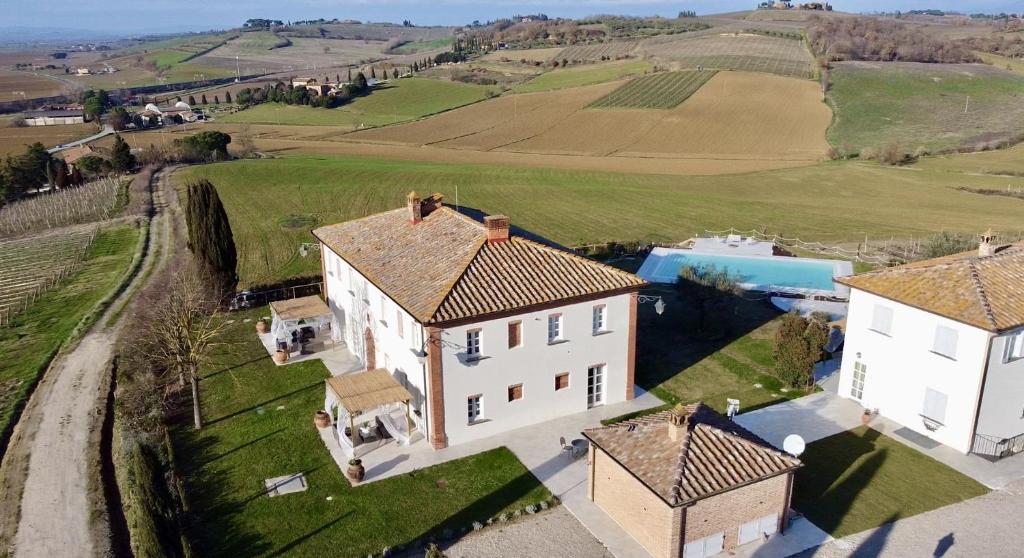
{"x": 752, "y": 272}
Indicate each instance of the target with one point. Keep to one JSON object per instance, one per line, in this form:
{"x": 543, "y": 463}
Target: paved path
{"x": 59, "y": 427}
{"x": 106, "y": 131}
{"x": 990, "y": 526}
{"x": 552, "y": 533}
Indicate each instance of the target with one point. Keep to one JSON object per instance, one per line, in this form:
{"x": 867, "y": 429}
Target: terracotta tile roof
{"x": 985, "y": 292}
{"x": 442, "y": 269}
{"x": 712, "y": 454}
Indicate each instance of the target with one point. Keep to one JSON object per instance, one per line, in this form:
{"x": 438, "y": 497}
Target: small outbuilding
{"x": 689, "y": 482}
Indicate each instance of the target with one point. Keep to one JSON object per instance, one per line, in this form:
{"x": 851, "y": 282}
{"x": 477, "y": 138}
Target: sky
{"x": 149, "y": 16}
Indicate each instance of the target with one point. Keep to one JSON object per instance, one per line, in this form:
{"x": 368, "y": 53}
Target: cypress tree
{"x": 373, "y": 73}
{"x": 121, "y": 158}
{"x": 216, "y": 99}
{"x": 209, "y": 234}
{"x": 191, "y": 100}
{"x": 204, "y": 99}
{"x": 227, "y": 97}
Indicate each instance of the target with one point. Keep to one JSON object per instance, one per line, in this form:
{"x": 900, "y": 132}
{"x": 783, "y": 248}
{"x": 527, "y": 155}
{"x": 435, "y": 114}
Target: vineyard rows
{"x": 656, "y": 91}
{"x": 94, "y": 201}
{"x": 748, "y": 53}
{"x": 596, "y": 51}
{"x": 31, "y": 266}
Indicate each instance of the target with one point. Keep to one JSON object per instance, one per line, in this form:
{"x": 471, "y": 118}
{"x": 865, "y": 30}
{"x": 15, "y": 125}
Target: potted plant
{"x": 866, "y": 417}
{"x": 356, "y": 471}
{"x": 262, "y": 326}
{"x": 322, "y": 419}
{"x": 280, "y": 357}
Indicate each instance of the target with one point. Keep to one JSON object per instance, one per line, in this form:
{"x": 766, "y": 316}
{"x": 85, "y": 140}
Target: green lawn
{"x": 260, "y": 425}
{"x": 588, "y": 74}
{"x": 397, "y": 101}
{"x": 678, "y": 365}
{"x": 838, "y": 201}
{"x": 418, "y": 46}
{"x": 914, "y": 105}
{"x": 861, "y": 479}
{"x": 33, "y": 336}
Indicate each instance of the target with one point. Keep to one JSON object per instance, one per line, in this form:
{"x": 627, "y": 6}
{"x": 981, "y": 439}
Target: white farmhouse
{"x": 488, "y": 331}
{"x": 937, "y": 346}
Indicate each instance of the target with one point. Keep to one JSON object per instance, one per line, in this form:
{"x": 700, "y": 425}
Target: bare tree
{"x": 184, "y": 328}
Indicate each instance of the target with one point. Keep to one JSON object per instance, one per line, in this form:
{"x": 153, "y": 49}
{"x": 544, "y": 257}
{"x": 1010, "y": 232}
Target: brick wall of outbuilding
{"x": 644, "y": 516}
{"x": 727, "y": 511}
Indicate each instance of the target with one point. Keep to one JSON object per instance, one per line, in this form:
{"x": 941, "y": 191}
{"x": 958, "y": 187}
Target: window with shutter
{"x": 934, "y": 405}
{"x": 515, "y": 334}
{"x": 515, "y": 392}
{"x": 1014, "y": 347}
{"x": 400, "y": 323}
{"x": 881, "y": 321}
{"x": 945, "y": 341}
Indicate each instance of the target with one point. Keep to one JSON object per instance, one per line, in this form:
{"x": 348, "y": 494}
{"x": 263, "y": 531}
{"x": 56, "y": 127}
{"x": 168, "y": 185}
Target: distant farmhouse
{"x": 938, "y": 346}
{"x": 55, "y": 117}
{"x": 689, "y": 482}
{"x": 180, "y": 113}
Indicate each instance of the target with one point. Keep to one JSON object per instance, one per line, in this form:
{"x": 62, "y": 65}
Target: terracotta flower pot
{"x": 322, "y": 419}
{"x": 280, "y": 357}
{"x": 261, "y": 326}
{"x": 865, "y": 418}
{"x": 356, "y": 471}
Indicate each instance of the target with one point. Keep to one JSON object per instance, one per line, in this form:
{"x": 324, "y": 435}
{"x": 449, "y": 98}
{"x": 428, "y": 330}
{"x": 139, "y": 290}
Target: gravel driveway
{"x": 552, "y": 533}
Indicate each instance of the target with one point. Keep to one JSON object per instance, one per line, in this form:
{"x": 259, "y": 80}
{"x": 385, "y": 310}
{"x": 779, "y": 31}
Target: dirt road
{"x": 59, "y": 430}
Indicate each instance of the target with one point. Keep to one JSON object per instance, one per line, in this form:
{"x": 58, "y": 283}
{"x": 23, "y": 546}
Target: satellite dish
{"x": 794, "y": 445}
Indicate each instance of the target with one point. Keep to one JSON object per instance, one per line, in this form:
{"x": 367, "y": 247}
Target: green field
{"x": 657, "y": 91}
{"x": 397, "y": 101}
{"x": 33, "y": 336}
{"x": 923, "y": 105}
{"x": 860, "y": 479}
{"x": 578, "y": 76}
{"x": 259, "y": 424}
{"x": 419, "y": 46}
{"x": 1011, "y": 64}
{"x": 839, "y": 201}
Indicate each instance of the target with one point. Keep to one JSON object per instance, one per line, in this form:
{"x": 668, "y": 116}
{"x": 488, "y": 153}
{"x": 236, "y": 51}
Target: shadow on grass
{"x": 671, "y": 343}
{"x": 286, "y": 549}
{"x": 240, "y": 447}
{"x": 206, "y": 498}
{"x": 826, "y": 488}
{"x": 234, "y": 366}
{"x": 317, "y": 385}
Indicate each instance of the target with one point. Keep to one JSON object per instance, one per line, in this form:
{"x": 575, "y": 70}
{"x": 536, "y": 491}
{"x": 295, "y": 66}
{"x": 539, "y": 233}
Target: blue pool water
{"x": 663, "y": 266}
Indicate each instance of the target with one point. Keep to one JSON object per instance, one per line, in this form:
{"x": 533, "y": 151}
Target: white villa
{"x": 485, "y": 329}
{"x": 938, "y": 346}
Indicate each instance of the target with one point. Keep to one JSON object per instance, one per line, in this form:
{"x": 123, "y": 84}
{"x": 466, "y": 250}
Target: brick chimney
{"x": 414, "y": 204}
{"x": 986, "y": 246}
{"x": 497, "y": 228}
{"x": 678, "y": 422}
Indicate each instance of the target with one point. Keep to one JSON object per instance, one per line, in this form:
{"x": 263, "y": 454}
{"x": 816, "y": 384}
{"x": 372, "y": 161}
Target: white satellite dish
{"x": 794, "y": 445}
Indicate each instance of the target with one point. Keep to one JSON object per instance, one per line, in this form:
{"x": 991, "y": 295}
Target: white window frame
{"x": 935, "y": 396}
{"x": 879, "y": 319}
{"x": 945, "y": 341}
{"x": 555, "y": 330}
{"x": 1014, "y": 349}
{"x": 399, "y": 323}
{"x": 474, "y": 342}
{"x": 599, "y": 319}
{"x": 474, "y": 409}
{"x": 860, "y": 374}
{"x": 596, "y": 374}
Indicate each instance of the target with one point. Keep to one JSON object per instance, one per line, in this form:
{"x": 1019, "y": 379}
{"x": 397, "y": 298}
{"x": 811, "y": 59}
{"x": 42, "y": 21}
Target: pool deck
{"x": 748, "y": 249}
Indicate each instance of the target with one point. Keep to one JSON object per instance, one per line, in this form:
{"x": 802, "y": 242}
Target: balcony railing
{"x": 994, "y": 448}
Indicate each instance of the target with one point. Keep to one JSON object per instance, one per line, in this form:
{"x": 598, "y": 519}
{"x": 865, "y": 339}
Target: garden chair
{"x": 567, "y": 448}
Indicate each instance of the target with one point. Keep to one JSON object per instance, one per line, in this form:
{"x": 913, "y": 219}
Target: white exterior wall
{"x": 354, "y": 312}
{"x": 534, "y": 364}
{"x": 901, "y": 366}
{"x": 1002, "y": 405}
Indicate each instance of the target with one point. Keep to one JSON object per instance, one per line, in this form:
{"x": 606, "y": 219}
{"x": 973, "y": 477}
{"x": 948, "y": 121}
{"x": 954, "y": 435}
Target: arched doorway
{"x": 370, "y": 348}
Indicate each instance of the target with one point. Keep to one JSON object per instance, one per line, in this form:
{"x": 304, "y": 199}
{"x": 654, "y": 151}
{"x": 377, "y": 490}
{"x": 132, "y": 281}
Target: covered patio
{"x": 368, "y": 410}
{"x": 301, "y": 327}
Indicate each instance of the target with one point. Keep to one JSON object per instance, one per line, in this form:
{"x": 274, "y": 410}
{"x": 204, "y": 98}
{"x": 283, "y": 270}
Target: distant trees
{"x": 209, "y": 235}
{"x": 203, "y": 100}
{"x": 191, "y": 100}
{"x": 947, "y": 243}
{"x": 216, "y": 99}
{"x": 210, "y": 145}
{"x": 118, "y": 118}
{"x": 121, "y": 158}
{"x": 227, "y": 97}
{"x": 868, "y": 38}
{"x": 94, "y": 103}
{"x": 799, "y": 343}
{"x": 360, "y": 83}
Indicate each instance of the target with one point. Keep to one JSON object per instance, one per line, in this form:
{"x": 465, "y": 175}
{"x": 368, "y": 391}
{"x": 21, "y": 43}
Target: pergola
{"x": 373, "y": 391}
{"x": 290, "y": 315}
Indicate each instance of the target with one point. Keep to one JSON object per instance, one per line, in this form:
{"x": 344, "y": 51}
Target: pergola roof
{"x": 363, "y": 391}
{"x": 300, "y": 308}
